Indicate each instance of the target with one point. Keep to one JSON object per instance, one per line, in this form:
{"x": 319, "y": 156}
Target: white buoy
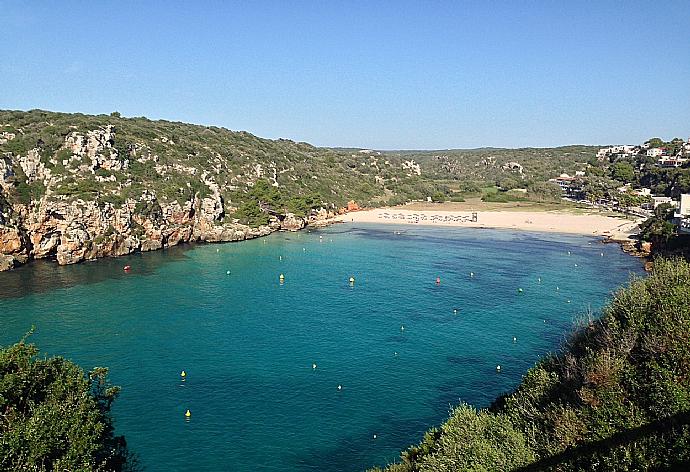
{"x": 402, "y": 328}
{"x": 514, "y": 339}
{"x": 575, "y": 265}
{"x": 602, "y": 254}
{"x": 217, "y": 250}
{"x": 455, "y": 311}
{"x": 227, "y": 272}
{"x": 498, "y": 368}
{"x": 568, "y": 301}
{"x": 313, "y": 366}
{"x": 340, "y": 387}
{"x": 471, "y": 274}
{"x": 374, "y": 436}
{"x": 557, "y": 289}
{"x": 304, "y": 249}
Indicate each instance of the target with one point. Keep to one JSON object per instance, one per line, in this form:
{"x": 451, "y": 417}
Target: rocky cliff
{"x": 84, "y": 191}
{"x": 74, "y": 231}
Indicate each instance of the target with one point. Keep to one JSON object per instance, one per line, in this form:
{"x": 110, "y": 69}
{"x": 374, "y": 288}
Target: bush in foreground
{"x": 617, "y": 396}
{"x": 54, "y": 417}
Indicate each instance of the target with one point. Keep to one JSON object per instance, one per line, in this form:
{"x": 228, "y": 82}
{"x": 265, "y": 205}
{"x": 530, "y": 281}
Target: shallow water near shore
{"x": 248, "y": 343}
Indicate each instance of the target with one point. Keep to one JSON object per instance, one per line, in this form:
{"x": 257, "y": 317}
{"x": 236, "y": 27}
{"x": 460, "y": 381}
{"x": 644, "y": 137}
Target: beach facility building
{"x": 564, "y": 181}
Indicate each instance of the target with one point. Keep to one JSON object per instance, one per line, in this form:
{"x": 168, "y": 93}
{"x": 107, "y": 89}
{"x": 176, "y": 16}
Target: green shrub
{"x": 54, "y": 417}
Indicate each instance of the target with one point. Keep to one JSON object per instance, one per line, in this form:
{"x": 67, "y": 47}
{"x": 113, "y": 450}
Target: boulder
{"x": 292, "y": 223}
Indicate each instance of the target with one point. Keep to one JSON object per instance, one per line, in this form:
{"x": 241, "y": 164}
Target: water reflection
{"x": 45, "y": 276}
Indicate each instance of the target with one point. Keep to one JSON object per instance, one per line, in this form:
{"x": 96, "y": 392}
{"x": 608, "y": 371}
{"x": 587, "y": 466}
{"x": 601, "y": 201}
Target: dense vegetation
{"x": 54, "y": 417}
{"x": 617, "y": 396}
{"x": 175, "y": 161}
{"x": 494, "y": 165}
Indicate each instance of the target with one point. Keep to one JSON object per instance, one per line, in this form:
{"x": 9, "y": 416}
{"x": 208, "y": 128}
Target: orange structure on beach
{"x": 352, "y": 206}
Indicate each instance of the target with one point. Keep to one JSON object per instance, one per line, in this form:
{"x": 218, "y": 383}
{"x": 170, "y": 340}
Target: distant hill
{"x": 494, "y": 164}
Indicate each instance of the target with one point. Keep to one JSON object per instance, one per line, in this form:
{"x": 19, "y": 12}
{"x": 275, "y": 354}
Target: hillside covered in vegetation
{"x": 616, "y": 397}
{"x": 76, "y": 187}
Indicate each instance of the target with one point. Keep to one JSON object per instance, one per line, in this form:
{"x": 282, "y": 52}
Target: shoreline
{"x": 607, "y": 228}
{"x": 610, "y": 227}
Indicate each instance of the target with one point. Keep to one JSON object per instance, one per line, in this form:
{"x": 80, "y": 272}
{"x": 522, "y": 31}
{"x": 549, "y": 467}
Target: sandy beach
{"x": 617, "y": 228}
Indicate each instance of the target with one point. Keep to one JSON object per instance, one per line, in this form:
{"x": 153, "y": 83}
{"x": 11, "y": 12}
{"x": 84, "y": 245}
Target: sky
{"x": 371, "y": 74}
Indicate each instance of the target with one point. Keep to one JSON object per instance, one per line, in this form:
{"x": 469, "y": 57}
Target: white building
{"x": 684, "y": 207}
{"x": 661, "y": 200}
{"x": 671, "y": 161}
{"x": 654, "y": 152}
{"x": 683, "y": 213}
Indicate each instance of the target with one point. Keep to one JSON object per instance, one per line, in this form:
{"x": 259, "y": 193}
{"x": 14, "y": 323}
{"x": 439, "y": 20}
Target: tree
{"x": 623, "y": 171}
{"x": 54, "y": 417}
{"x": 655, "y": 142}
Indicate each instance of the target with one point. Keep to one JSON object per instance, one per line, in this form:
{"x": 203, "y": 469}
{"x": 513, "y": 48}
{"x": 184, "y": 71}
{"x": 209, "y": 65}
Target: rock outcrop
{"x": 78, "y": 190}
{"x": 74, "y": 231}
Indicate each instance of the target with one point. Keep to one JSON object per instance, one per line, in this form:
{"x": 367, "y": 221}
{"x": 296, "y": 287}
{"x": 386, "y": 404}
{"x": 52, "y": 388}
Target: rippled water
{"x": 248, "y": 343}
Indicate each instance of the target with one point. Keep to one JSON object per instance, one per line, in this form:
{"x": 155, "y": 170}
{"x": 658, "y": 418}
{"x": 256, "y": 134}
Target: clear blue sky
{"x": 378, "y": 74}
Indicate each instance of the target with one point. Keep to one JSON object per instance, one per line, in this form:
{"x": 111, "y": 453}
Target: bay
{"x": 402, "y": 348}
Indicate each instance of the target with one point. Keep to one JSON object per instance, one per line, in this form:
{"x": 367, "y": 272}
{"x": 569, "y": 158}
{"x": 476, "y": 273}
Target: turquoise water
{"x": 248, "y": 343}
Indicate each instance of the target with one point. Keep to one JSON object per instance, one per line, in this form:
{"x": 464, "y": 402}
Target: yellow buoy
{"x": 183, "y": 374}
{"x": 187, "y": 414}
{"x": 352, "y": 280}
{"x": 281, "y": 278}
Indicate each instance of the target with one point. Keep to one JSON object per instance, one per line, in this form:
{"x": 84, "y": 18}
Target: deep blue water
{"x": 248, "y": 343}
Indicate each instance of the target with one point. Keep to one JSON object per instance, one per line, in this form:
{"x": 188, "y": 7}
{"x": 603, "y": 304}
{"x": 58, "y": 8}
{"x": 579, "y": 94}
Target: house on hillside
{"x": 567, "y": 184}
{"x": 654, "y": 152}
{"x": 660, "y": 200}
{"x": 682, "y": 216}
{"x": 671, "y": 161}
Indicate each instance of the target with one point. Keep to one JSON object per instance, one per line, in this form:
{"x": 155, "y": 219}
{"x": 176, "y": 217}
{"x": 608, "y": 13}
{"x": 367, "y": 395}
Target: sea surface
{"x": 402, "y": 348}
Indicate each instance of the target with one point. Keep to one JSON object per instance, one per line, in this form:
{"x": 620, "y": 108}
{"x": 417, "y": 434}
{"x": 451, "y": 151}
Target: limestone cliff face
{"x": 74, "y": 230}
{"x": 80, "y": 230}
